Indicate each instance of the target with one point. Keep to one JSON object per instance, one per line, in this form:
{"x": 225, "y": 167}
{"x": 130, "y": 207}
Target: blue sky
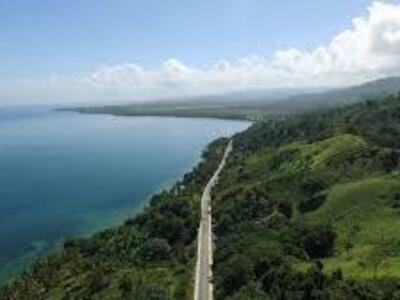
{"x": 45, "y": 36}
{"x": 81, "y": 50}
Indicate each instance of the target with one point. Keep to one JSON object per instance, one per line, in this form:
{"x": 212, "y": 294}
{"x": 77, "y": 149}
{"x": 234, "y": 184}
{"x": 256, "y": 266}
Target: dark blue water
{"x": 67, "y": 174}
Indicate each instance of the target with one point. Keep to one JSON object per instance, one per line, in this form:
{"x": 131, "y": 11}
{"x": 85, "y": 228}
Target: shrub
{"x": 154, "y": 250}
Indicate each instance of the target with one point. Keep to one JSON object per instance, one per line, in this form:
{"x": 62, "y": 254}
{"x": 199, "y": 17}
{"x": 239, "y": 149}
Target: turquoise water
{"x": 67, "y": 174}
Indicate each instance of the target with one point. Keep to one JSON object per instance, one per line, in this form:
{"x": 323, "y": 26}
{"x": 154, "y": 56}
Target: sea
{"x": 66, "y": 174}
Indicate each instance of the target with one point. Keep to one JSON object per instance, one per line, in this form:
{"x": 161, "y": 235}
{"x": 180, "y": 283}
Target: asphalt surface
{"x": 204, "y": 288}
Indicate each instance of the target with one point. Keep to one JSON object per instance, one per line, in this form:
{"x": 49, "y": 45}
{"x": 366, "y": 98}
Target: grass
{"x": 319, "y": 155}
{"x": 367, "y": 227}
{"x": 297, "y": 157}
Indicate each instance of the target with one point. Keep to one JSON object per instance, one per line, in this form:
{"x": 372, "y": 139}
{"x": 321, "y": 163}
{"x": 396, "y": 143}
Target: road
{"x": 204, "y": 289}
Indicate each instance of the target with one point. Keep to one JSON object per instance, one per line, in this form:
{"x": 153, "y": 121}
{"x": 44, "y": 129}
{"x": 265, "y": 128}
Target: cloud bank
{"x": 369, "y": 49}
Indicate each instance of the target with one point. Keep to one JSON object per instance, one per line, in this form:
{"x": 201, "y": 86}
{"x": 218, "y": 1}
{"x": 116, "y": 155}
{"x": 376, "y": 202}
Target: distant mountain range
{"x": 369, "y": 91}
{"x": 255, "y": 104}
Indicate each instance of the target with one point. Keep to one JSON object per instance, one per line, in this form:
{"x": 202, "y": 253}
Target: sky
{"x": 97, "y": 51}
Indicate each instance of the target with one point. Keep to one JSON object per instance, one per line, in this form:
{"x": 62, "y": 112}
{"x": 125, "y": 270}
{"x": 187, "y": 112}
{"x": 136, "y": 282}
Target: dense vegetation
{"x": 149, "y": 257}
{"x": 307, "y": 207}
{"x": 238, "y": 112}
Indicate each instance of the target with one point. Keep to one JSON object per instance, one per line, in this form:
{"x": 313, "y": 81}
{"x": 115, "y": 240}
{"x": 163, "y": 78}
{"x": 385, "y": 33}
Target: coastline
{"x": 42, "y": 249}
{"x": 118, "y": 220}
{"x": 188, "y": 114}
{"x": 171, "y": 272}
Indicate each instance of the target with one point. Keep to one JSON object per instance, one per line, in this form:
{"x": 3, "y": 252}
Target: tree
{"x": 319, "y": 241}
{"x": 154, "y": 250}
{"x": 147, "y": 292}
{"x": 252, "y": 291}
{"x": 375, "y": 261}
{"x": 125, "y": 284}
{"x": 237, "y": 272}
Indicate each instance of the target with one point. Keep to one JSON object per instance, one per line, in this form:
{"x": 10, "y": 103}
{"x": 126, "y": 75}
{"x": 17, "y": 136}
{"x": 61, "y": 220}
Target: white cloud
{"x": 369, "y": 49}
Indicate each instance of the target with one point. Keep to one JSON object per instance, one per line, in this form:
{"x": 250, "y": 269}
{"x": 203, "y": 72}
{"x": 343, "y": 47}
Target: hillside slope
{"x": 308, "y": 208}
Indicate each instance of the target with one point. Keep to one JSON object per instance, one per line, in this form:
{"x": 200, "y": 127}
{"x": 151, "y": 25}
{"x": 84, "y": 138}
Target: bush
{"x": 237, "y": 272}
{"x": 318, "y": 241}
{"x": 312, "y": 203}
{"x": 154, "y": 250}
{"x": 98, "y": 280}
{"x": 147, "y": 292}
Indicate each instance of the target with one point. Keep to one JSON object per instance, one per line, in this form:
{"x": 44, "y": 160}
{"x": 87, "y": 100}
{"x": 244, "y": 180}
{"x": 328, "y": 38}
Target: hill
{"x": 255, "y": 105}
{"x": 330, "y": 99}
{"x": 307, "y": 207}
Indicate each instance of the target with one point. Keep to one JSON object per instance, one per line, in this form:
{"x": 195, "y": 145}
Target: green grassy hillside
{"x": 366, "y": 220}
{"x": 308, "y": 208}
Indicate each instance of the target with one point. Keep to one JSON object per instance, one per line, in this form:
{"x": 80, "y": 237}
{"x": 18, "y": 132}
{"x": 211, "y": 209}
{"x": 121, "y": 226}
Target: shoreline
{"x": 172, "y": 187}
{"x": 20, "y": 265}
{"x": 169, "y": 114}
{"x": 13, "y": 269}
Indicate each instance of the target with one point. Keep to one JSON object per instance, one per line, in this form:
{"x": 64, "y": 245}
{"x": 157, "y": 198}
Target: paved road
{"x": 203, "y": 289}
